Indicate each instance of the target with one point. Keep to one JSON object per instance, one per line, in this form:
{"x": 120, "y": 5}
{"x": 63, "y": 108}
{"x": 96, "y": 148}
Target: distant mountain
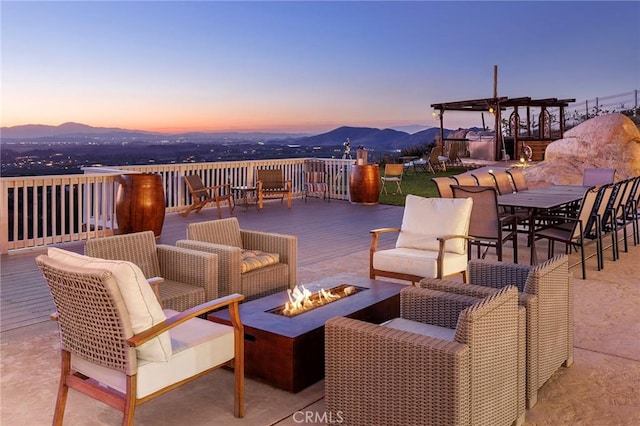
{"x": 358, "y": 136}
{"x": 371, "y": 138}
{"x": 412, "y": 128}
{"x": 29, "y": 131}
{"x": 75, "y": 130}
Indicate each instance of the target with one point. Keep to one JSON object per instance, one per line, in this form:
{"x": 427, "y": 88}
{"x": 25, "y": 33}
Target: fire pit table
{"x": 288, "y": 351}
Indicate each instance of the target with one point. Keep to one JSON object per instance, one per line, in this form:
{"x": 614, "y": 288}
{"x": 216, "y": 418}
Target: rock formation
{"x": 607, "y": 141}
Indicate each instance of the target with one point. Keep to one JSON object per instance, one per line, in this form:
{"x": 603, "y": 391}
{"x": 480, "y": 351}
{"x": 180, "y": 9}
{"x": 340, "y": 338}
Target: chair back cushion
{"x": 426, "y": 219}
{"x": 221, "y": 231}
{"x": 142, "y": 305}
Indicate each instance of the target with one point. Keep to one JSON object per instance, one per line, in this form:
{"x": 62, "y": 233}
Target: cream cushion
{"x": 418, "y": 262}
{"x": 198, "y": 345}
{"x": 426, "y": 219}
{"x": 142, "y": 305}
{"x": 424, "y": 329}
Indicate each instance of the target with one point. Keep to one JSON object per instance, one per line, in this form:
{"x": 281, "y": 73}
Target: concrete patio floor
{"x": 602, "y": 387}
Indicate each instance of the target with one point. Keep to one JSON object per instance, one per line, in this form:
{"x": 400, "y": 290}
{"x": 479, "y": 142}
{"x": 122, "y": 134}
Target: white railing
{"x": 42, "y": 210}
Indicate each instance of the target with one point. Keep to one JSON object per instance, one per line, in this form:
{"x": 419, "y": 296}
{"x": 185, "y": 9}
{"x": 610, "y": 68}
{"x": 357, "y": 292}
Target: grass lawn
{"x": 417, "y": 184}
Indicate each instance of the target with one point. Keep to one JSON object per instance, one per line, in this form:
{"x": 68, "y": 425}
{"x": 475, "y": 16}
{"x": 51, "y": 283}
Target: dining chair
{"x": 612, "y": 218}
{"x": 443, "y": 185}
{"x": 594, "y": 228}
{"x": 484, "y": 179}
{"x": 518, "y": 179}
{"x": 572, "y": 231}
{"x": 633, "y": 214}
{"x": 503, "y": 182}
{"x": 487, "y": 227}
{"x": 466, "y": 179}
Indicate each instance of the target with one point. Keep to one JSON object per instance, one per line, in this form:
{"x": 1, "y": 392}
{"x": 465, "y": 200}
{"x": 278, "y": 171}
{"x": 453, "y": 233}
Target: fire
{"x": 302, "y": 300}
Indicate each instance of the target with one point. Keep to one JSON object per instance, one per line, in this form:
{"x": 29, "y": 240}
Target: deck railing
{"x": 42, "y": 210}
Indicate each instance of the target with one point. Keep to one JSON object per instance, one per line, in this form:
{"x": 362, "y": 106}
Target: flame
{"x": 301, "y": 299}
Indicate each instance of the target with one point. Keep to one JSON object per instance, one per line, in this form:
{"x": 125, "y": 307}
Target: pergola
{"x": 496, "y": 105}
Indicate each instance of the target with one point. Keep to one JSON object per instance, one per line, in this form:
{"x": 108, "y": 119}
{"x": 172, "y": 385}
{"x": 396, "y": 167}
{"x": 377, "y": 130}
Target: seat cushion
{"x": 416, "y": 327}
{"x": 198, "y": 346}
{"x": 141, "y": 302}
{"x": 425, "y": 219}
{"x": 421, "y": 263}
{"x": 256, "y": 259}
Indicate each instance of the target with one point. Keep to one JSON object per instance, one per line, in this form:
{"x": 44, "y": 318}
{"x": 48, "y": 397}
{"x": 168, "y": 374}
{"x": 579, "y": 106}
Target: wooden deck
{"x": 325, "y": 231}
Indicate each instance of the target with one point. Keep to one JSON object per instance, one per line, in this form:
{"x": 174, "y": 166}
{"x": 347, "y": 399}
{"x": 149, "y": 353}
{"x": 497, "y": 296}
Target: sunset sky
{"x": 302, "y": 66}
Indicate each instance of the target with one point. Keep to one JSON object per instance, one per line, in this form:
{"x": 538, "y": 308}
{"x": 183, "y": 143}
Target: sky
{"x": 302, "y": 66}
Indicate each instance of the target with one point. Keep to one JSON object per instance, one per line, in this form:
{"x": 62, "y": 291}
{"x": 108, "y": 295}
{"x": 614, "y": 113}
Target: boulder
{"x": 607, "y": 141}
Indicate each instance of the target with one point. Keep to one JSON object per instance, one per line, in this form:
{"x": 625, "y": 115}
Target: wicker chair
{"x": 190, "y": 277}
{"x": 546, "y": 291}
{"x": 269, "y": 260}
{"x": 424, "y": 251}
{"x": 272, "y": 184}
{"x": 448, "y": 360}
{"x": 118, "y": 345}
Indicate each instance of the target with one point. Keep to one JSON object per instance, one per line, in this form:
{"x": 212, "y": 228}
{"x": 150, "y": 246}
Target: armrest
{"x": 498, "y": 274}
{"x": 442, "y": 243}
{"x": 432, "y": 306}
{"x": 283, "y": 244}
{"x": 154, "y": 282}
{"x": 189, "y": 266}
{"x": 529, "y": 301}
{"x": 375, "y": 234}
{"x": 231, "y": 301}
{"x": 229, "y": 263}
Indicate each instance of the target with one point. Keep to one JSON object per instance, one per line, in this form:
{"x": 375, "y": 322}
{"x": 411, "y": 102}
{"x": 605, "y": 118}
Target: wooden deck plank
{"x": 325, "y": 231}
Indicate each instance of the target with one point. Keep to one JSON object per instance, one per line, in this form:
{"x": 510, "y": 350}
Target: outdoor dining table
{"x": 539, "y": 202}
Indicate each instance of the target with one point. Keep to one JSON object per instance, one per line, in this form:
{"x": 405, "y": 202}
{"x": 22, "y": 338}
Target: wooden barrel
{"x": 364, "y": 184}
{"x": 140, "y": 203}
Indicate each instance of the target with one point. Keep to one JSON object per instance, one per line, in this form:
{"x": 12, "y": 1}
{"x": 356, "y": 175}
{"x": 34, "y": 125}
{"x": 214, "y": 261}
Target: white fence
{"x": 43, "y": 210}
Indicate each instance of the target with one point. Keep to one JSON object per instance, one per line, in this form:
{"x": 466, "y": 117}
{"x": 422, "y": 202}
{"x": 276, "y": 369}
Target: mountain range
{"x": 387, "y": 139}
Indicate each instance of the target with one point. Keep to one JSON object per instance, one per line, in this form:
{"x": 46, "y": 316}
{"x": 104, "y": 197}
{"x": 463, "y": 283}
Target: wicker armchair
{"x": 546, "y": 291}
{"x": 118, "y": 345}
{"x": 269, "y": 260}
{"x": 190, "y": 278}
{"x": 449, "y": 360}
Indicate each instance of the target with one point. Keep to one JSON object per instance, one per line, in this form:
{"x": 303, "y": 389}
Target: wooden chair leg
{"x": 63, "y": 389}
{"x": 130, "y": 401}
